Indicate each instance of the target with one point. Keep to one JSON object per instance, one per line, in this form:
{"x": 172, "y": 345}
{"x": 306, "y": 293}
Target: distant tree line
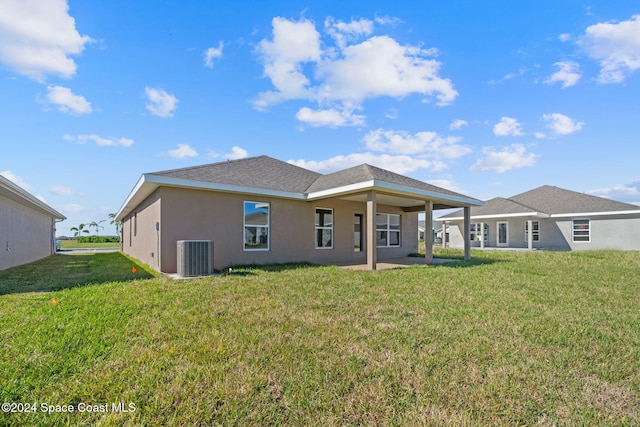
{"x": 81, "y": 230}
{"x": 97, "y": 239}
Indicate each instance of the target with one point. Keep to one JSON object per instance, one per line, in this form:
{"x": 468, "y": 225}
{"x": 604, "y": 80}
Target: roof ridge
{"x": 211, "y": 164}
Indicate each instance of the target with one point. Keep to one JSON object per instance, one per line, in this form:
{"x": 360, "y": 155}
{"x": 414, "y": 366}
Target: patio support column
{"x": 482, "y": 235}
{"x": 530, "y": 236}
{"x": 372, "y": 256}
{"x": 467, "y": 232}
{"x": 428, "y": 231}
{"x": 444, "y": 234}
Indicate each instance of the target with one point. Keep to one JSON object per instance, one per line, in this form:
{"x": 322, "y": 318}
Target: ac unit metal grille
{"x": 195, "y": 258}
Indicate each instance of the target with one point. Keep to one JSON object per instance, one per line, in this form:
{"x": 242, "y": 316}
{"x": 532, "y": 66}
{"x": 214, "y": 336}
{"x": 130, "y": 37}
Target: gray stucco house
{"x": 261, "y": 210}
{"x": 27, "y": 226}
{"x": 549, "y": 217}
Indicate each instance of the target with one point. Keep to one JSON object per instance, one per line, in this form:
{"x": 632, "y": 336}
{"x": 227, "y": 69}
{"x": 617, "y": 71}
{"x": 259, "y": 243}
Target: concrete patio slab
{"x": 394, "y": 263}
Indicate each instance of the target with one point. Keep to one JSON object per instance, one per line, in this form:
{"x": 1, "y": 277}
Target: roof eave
{"x": 148, "y": 183}
{"x": 496, "y": 216}
{"x": 32, "y": 201}
{"x": 603, "y": 213}
{"x": 460, "y": 200}
{"x": 394, "y": 189}
{"x": 136, "y": 196}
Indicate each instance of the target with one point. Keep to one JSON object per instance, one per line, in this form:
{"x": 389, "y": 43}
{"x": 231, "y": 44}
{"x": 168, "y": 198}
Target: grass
{"x": 72, "y": 244}
{"x": 507, "y": 338}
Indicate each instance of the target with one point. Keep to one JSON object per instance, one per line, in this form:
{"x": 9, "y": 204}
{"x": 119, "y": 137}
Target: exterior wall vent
{"x": 195, "y": 258}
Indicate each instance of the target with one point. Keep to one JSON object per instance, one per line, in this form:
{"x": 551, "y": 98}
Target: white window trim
{"x": 389, "y": 230}
{"x": 573, "y": 236}
{"x": 476, "y": 230}
{"x": 267, "y": 226}
{"x": 526, "y": 231}
{"x": 506, "y": 244}
{"x": 317, "y": 227}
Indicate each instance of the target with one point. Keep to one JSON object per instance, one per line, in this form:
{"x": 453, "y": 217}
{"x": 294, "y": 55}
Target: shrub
{"x": 98, "y": 239}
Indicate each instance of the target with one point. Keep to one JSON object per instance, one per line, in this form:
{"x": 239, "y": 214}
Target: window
{"x": 324, "y": 228}
{"x": 535, "y": 234}
{"x": 387, "y": 230}
{"x": 256, "y": 226}
{"x": 358, "y": 220}
{"x": 581, "y": 230}
{"x": 476, "y": 232}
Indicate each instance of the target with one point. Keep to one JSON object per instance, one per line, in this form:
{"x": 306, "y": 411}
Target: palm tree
{"x": 79, "y": 230}
{"x": 115, "y": 222}
{"x": 97, "y": 225}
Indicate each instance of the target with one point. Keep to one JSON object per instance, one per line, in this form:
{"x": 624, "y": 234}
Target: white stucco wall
{"x": 621, "y": 232}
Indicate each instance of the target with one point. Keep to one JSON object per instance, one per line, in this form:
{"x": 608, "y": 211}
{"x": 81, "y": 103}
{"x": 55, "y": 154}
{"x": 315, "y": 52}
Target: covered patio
{"x": 376, "y": 186}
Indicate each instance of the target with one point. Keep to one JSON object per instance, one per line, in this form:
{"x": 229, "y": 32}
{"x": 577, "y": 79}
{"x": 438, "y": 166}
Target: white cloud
{"x": 447, "y": 184}
{"x": 38, "y": 38}
{"x": 330, "y": 117}
{"x": 616, "y": 46}
{"x": 540, "y": 135}
{"x": 67, "y": 101}
{"x": 388, "y": 20}
{"x": 623, "y": 192}
{"x": 161, "y": 103}
{"x": 293, "y": 44}
{"x": 511, "y": 157}
{"x": 101, "y": 141}
{"x": 213, "y": 53}
{"x": 380, "y": 66}
{"x": 507, "y": 126}
{"x": 392, "y": 114}
{"x": 17, "y": 180}
{"x": 561, "y": 124}
{"x": 340, "y": 77}
{"x": 72, "y": 208}
{"x": 458, "y": 124}
{"x": 397, "y": 164}
{"x": 564, "y": 37}
{"x": 568, "y": 74}
{"x": 60, "y": 190}
{"x": 425, "y": 143}
{"x": 235, "y": 154}
{"x": 182, "y": 151}
{"x": 342, "y": 32}
{"x": 521, "y": 72}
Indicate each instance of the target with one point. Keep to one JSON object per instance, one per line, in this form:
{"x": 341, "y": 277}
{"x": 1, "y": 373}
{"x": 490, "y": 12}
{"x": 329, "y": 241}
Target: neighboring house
{"x": 262, "y": 210}
{"x": 550, "y": 218}
{"x": 27, "y": 226}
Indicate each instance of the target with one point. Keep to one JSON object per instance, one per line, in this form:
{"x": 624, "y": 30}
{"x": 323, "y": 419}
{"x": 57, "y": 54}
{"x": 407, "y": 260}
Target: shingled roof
{"x": 547, "y": 201}
{"x": 255, "y": 172}
{"x": 554, "y": 201}
{"x": 367, "y": 172}
{"x": 271, "y": 177}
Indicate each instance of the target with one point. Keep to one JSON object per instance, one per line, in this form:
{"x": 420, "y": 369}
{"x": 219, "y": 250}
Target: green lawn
{"x": 542, "y": 338}
{"x": 72, "y": 244}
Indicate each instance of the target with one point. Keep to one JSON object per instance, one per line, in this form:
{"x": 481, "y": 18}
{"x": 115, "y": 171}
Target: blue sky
{"x": 485, "y": 98}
